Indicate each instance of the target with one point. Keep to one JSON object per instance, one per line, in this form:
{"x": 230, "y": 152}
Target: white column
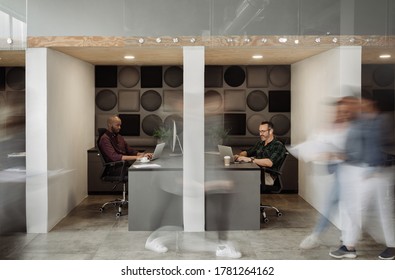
{"x": 193, "y": 161}
{"x": 36, "y": 141}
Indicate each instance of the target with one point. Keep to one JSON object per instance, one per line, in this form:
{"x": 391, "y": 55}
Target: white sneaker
{"x": 227, "y": 251}
{"x": 310, "y": 242}
{"x": 155, "y": 246}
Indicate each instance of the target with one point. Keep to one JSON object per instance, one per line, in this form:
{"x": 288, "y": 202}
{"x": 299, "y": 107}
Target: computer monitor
{"x": 175, "y": 140}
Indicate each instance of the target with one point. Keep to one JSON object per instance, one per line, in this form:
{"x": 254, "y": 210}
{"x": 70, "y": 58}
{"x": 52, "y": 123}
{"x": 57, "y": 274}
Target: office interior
{"x": 312, "y": 51}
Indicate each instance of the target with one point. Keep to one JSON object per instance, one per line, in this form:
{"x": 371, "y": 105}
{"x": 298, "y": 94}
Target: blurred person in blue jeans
{"x": 366, "y": 187}
{"x": 334, "y": 136}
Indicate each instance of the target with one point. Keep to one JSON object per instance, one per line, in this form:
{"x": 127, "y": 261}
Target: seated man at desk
{"x": 268, "y": 152}
{"x": 113, "y": 145}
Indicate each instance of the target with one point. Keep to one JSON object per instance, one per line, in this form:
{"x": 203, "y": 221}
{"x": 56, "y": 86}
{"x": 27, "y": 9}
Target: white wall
{"x": 315, "y": 81}
{"x": 60, "y": 100}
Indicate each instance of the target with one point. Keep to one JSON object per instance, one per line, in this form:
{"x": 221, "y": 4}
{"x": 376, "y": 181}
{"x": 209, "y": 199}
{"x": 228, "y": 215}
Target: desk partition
{"x": 232, "y": 196}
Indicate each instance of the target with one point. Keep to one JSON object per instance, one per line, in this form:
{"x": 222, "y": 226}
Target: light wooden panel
{"x": 220, "y": 50}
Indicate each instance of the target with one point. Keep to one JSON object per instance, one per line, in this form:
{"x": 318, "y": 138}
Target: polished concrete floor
{"x": 87, "y": 234}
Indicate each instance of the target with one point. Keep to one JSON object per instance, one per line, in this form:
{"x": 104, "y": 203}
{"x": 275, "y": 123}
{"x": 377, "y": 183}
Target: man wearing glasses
{"x": 268, "y": 152}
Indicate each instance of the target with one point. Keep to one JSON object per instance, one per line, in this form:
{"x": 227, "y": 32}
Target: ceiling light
{"x": 158, "y": 40}
{"x": 385, "y": 56}
{"x": 175, "y": 40}
{"x": 229, "y": 40}
{"x": 296, "y": 41}
{"x": 9, "y": 41}
{"x": 141, "y": 40}
{"x": 317, "y": 40}
{"x": 128, "y": 57}
{"x": 257, "y": 56}
{"x": 263, "y": 40}
{"x": 352, "y": 40}
{"x": 334, "y": 40}
{"x": 193, "y": 40}
{"x": 247, "y": 40}
{"x": 282, "y": 40}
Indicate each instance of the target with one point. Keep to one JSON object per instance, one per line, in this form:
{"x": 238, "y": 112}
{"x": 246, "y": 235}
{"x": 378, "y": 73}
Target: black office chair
{"x": 275, "y": 188}
{"x": 114, "y": 172}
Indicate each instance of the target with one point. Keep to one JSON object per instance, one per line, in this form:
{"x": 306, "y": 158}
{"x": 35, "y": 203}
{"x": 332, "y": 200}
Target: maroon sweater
{"x": 113, "y": 147}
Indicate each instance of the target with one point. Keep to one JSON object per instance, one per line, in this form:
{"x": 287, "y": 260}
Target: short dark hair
{"x": 269, "y": 124}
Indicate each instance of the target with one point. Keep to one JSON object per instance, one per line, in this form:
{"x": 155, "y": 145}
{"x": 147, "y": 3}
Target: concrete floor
{"x": 87, "y": 234}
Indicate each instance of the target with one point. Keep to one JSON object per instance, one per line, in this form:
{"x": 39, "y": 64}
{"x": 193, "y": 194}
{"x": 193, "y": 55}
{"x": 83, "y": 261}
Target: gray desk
{"x": 155, "y": 195}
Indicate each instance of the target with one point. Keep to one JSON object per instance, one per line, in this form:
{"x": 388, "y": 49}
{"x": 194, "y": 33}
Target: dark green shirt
{"x": 275, "y": 151}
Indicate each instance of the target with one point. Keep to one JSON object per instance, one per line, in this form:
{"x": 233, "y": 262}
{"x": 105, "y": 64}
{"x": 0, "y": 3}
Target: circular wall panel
{"x": 384, "y": 75}
{"x": 234, "y": 76}
{"x": 106, "y": 100}
{"x": 150, "y": 123}
{"x": 151, "y": 100}
{"x": 257, "y": 100}
{"x": 16, "y": 78}
{"x": 128, "y": 76}
{"x": 281, "y": 124}
{"x": 168, "y": 122}
{"x": 253, "y": 123}
{"x": 212, "y": 101}
{"x": 173, "y": 76}
{"x": 280, "y": 76}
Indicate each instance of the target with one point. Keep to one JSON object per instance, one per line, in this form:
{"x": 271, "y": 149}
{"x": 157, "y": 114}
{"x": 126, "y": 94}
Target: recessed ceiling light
{"x": 257, "y": 56}
{"x": 128, "y": 57}
{"x": 282, "y": 40}
{"x": 385, "y": 56}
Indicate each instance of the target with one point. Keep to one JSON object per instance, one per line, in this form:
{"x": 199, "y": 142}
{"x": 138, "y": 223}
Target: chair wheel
{"x": 101, "y": 209}
{"x": 265, "y": 220}
{"x": 279, "y": 214}
{"x": 118, "y": 214}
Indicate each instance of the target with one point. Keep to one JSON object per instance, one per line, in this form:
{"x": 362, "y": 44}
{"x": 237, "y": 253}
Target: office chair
{"x": 275, "y": 188}
{"x": 114, "y": 172}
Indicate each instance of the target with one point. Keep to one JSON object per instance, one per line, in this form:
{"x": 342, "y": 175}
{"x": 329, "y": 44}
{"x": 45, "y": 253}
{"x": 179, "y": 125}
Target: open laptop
{"x": 158, "y": 151}
{"x": 226, "y": 151}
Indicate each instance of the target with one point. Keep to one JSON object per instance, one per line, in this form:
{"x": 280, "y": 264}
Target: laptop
{"x": 226, "y": 151}
{"x": 158, "y": 151}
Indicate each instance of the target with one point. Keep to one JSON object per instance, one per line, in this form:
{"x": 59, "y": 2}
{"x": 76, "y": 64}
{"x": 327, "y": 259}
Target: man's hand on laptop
{"x": 244, "y": 159}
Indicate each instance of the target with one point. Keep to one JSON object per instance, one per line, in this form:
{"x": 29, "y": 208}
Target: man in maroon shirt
{"x": 114, "y": 147}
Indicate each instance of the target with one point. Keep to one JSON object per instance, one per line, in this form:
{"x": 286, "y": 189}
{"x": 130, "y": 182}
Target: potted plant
{"x": 162, "y": 134}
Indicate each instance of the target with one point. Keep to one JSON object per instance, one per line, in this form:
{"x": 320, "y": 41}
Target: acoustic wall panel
{"x": 234, "y": 76}
{"x": 248, "y": 94}
{"x": 385, "y": 99}
{"x": 173, "y": 100}
{"x": 129, "y": 100}
{"x": 151, "y": 77}
{"x": 212, "y": 101}
{"x": 281, "y": 123}
{"x": 106, "y": 76}
{"x": 253, "y": 123}
{"x": 257, "y": 100}
{"x": 106, "y": 100}
{"x": 151, "y": 100}
{"x": 15, "y": 78}
{"x": 257, "y": 77}
{"x": 235, "y": 123}
{"x": 279, "y": 101}
{"x": 16, "y": 101}
{"x": 130, "y": 124}
{"x": 213, "y": 77}
{"x": 2, "y": 78}
{"x": 234, "y": 100}
{"x": 128, "y": 76}
{"x": 280, "y": 75}
{"x": 174, "y": 76}
{"x": 383, "y": 75}
{"x": 150, "y": 123}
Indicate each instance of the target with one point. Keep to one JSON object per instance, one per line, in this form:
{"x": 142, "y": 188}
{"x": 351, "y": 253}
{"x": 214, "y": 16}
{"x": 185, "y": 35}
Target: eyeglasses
{"x": 264, "y": 131}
